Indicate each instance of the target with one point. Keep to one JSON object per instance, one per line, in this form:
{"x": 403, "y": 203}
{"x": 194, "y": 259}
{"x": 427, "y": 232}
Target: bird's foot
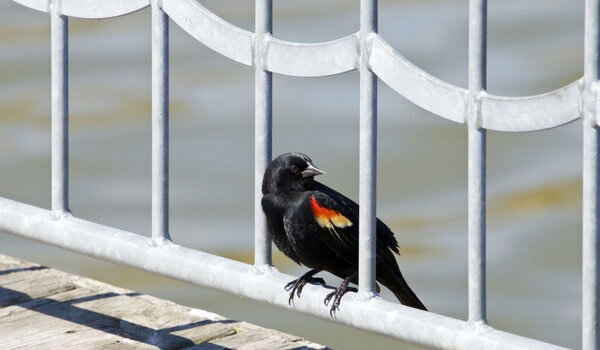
{"x": 337, "y": 295}
{"x": 296, "y": 286}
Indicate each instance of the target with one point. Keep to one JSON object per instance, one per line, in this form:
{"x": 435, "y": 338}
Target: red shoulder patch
{"x": 328, "y": 218}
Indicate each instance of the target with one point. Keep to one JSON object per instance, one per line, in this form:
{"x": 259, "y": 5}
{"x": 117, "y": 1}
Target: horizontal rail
{"x": 376, "y": 315}
{"x": 499, "y": 113}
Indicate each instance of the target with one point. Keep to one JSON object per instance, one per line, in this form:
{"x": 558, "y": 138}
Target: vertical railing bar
{"x": 477, "y": 161}
{"x": 160, "y": 124}
{"x": 590, "y": 249}
{"x": 60, "y": 110}
{"x": 368, "y": 153}
{"x": 262, "y": 126}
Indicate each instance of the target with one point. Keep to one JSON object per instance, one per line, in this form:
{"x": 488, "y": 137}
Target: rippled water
{"x": 534, "y": 179}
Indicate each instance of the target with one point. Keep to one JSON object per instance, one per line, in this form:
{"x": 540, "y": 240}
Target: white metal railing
{"x": 374, "y": 58}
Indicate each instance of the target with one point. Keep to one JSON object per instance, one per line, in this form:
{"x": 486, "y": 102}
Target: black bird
{"x": 318, "y": 227}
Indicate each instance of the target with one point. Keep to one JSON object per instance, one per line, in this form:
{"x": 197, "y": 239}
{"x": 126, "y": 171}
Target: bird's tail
{"x": 404, "y": 294}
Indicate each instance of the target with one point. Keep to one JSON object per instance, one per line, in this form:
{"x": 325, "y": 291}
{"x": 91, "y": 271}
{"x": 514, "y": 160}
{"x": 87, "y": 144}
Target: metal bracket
{"x": 366, "y": 296}
{"x": 474, "y": 115}
{"x": 260, "y": 47}
{"x": 157, "y": 3}
{"x": 364, "y": 49}
{"x": 263, "y": 269}
{"x": 54, "y": 7}
{"x": 59, "y": 214}
{"x": 157, "y": 242}
{"x": 590, "y": 105}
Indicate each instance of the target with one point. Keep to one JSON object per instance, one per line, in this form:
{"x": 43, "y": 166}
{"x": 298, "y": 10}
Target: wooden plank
{"x": 100, "y": 318}
{"x": 42, "y": 308}
{"x": 252, "y": 337}
{"x": 10, "y": 263}
{"x": 21, "y": 284}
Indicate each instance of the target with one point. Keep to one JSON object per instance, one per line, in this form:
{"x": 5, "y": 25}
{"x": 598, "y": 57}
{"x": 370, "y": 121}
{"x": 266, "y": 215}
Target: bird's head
{"x": 289, "y": 172}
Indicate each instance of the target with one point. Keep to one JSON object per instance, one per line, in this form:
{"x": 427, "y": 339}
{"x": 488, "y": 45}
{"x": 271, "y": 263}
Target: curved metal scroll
{"x": 40, "y": 5}
{"x": 532, "y": 113}
{"x": 312, "y": 60}
{"x": 416, "y": 85}
{"x": 95, "y": 9}
{"x": 211, "y": 30}
{"x": 338, "y": 56}
{"x": 499, "y": 113}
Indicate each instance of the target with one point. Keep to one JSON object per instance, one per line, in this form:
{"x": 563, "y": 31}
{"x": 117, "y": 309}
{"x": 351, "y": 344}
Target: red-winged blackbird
{"x": 318, "y": 227}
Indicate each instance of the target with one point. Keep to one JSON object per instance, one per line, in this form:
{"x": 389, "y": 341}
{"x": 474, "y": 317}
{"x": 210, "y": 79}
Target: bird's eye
{"x": 294, "y": 168}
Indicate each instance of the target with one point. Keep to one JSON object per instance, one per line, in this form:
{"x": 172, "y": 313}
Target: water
{"x": 534, "y": 179}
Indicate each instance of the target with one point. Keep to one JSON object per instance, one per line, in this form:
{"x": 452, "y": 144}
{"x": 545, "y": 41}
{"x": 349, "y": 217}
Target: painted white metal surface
{"x": 367, "y": 177}
{"x": 59, "y": 96}
{"x": 532, "y": 113}
{"x": 94, "y": 9}
{"x": 211, "y": 30}
{"x": 476, "y": 163}
{"x": 590, "y": 311}
{"x": 160, "y": 124}
{"x": 500, "y": 113}
{"x": 40, "y": 5}
{"x": 418, "y": 86}
{"x": 263, "y": 129}
{"x": 312, "y": 60}
{"x": 376, "y": 315}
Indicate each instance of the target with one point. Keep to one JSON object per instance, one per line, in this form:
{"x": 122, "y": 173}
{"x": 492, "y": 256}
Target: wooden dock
{"x": 43, "y": 308}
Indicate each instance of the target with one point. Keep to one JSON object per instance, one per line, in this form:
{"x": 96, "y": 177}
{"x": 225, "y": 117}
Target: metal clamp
{"x": 364, "y": 48}
{"x": 589, "y": 105}
{"x": 261, "y": 50}
{"x": 54, "y": 7}
{"x": 474, "y": 116}
{"x": 156, "y": 3}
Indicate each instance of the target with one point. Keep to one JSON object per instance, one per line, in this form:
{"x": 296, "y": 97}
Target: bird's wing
{"x": 337, "y": 226}
{"x": 385, "y": 236}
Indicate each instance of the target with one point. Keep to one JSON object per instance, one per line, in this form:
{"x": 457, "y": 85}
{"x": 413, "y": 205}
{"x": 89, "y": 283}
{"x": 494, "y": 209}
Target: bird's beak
{"x": 312, "y": 170}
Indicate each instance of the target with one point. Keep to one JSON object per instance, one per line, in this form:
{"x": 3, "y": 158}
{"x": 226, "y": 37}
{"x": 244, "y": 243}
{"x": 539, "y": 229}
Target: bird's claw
{"x": 312, "y": 280}
{"x": 296, "y": 286}
{"x": 337, "y": 298}
{"x": 328, "y": 297}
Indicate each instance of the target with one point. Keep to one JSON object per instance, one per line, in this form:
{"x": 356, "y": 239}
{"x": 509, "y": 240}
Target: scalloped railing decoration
{"x": 500, "y": 113}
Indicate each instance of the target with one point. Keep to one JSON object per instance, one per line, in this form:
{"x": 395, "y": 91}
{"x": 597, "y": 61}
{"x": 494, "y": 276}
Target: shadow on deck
{"x": 45, "y": 308}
